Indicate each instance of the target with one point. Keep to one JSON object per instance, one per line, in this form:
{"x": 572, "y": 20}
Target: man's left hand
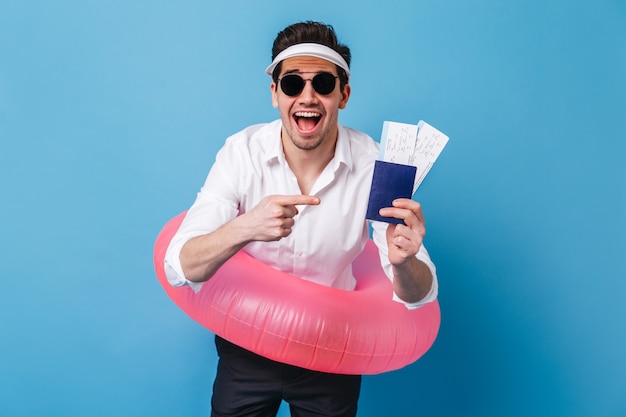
{"x": 404, "y": 240}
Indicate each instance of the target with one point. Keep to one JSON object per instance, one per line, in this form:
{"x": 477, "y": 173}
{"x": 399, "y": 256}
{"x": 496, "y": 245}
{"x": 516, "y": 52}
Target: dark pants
{"x": 249, "y": 385}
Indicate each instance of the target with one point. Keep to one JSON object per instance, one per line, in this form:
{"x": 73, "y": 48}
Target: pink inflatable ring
{"x": 301, "y": 323}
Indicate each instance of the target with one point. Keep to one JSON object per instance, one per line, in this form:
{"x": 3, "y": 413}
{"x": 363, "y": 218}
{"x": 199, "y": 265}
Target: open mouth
{"x": 307, "y": 120}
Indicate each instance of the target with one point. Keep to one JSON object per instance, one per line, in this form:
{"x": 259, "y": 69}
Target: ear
{"x": 345, "y": 96}
{"x": 274, "y": 95}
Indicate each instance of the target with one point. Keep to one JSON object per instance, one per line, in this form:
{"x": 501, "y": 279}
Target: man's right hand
{"x": 273, "y": 218}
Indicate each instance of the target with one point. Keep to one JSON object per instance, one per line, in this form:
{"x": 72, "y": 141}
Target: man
{"x": 293, "y": 194}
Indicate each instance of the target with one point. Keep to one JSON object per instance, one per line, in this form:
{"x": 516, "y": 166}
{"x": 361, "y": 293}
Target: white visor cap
{"x": 310, "y": 49}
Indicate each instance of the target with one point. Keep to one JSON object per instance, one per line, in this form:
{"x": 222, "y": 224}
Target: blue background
{"x": 110, "y": 116}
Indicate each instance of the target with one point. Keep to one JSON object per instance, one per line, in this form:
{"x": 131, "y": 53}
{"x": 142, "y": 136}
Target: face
{"x": 309, "y": 119}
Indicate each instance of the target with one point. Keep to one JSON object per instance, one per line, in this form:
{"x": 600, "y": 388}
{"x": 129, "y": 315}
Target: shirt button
{"x": 299, "y": 254}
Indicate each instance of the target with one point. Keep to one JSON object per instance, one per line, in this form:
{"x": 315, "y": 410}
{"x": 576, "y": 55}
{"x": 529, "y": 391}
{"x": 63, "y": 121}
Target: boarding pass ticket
{"x": 417, "y": 145}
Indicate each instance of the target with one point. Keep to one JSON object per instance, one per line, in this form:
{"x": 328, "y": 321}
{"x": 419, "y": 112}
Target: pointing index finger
{"x": 297, "y": 200}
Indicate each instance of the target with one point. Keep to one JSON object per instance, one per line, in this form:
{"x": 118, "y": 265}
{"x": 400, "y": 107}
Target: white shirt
{"x": 325, "y": 238}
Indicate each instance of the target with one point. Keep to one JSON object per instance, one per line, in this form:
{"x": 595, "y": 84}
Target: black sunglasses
{"x": 293, "y": 84}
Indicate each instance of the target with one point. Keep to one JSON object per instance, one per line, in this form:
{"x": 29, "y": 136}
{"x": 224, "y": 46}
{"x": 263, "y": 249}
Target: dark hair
{"x": 310, "y": 32}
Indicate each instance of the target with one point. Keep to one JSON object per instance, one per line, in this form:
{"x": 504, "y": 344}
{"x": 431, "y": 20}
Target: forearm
{"x": 202, "y": 256}
{"x": 412, "y": 280}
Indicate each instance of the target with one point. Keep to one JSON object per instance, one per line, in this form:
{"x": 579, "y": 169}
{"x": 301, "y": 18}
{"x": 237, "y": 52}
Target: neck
{"x": 308, "y": 164}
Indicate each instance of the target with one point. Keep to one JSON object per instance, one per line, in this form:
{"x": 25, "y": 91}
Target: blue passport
{"x": 390, "y": 181}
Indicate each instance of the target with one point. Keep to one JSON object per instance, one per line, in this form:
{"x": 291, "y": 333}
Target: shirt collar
{"x": 342, "y": 150}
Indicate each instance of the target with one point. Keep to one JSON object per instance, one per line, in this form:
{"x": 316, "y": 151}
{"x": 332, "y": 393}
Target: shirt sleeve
{"x": 380, "y": 240}
{"x": 215, "y": 205}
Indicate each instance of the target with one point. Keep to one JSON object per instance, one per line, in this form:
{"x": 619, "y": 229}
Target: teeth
{"x": 307, "y": 114}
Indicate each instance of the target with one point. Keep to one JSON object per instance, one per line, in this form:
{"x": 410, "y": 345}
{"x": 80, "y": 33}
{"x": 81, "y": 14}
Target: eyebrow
{"x": 297, "y": 71}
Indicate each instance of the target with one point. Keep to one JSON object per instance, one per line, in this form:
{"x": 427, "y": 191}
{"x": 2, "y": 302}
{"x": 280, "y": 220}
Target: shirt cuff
{"x": 174, "y": 270}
